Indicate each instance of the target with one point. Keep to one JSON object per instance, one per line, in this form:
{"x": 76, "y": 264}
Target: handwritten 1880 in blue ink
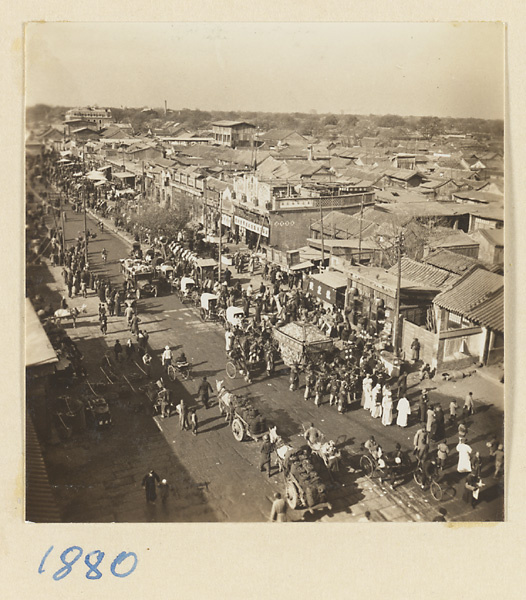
{"x": 124, "y": 564}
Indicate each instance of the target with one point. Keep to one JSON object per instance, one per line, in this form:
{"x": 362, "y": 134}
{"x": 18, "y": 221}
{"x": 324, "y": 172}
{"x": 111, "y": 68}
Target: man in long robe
{"x": 148, "y": 483}
{"x": 404, "y": 410}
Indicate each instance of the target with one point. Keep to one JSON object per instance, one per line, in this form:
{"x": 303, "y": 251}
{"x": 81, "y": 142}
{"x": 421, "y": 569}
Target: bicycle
{"x": 434, "y": 486}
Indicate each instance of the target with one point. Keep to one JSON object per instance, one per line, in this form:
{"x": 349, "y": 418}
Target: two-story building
{"x": 236, "y": 134}
{"x": 98, "y": 118}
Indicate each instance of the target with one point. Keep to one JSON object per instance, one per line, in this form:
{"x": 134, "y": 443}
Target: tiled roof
{"x": 451, "y": 261}
{"x": 490, "y": 312}
{"x": 403, "y": 174}
{"x": 470, "y": 292}
{"x": 425, "y": 274}
{"x": 231, "y": 123}
{"x": 450, "y": 238}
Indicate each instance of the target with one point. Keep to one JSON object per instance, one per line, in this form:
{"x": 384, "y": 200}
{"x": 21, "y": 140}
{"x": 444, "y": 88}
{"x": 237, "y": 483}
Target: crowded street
{"x": 97, "y": 473}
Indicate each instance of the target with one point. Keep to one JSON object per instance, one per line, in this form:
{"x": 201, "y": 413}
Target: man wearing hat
{"x": 166, "y": 357}
{"x": 265, "y": 452}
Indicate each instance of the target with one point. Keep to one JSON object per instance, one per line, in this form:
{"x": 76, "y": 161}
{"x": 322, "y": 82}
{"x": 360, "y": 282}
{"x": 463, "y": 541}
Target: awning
{"x": 95, "y": 176}
{"x": 64, "y": 161}
{"x": 124, "y": 175}
{"x": 101, "y": 182}
{"x": 39, "y": 350}
{"x": 306, "y": 264}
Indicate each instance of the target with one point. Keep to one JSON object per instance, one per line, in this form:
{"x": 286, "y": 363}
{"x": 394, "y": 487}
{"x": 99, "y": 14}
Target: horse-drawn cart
{"x": 245, "y": 420}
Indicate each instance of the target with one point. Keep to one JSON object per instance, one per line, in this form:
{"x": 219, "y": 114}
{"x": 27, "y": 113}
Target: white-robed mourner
{"x": 464, "y": 457}
{"x": 404, "y": 410}
{"x": 387, "y": 407}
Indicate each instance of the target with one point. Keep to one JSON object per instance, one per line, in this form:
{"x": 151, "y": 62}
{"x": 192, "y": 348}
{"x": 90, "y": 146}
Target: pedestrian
{"x": 404, "y": 410}
{"x": 471, "y": 490}
{"x": 164, "y": 489}
{"x": 387, "y": 407}
{"x": 118, "y": 304}
{"x": 294, "y": 378}
{"x": 83, "y": 289}
{"x": 265, "y": 452}
{"x": 420, "y": 440}
{"x": 464, "y": 457}
{"x": 423, "y": 406}
{"x": 333, "y": 391}
{"x": 342, "y": 398}
{"x": 129, "y": 349}
{"x": 442, "y": 454}
{"x": 439, "y": 426}
{"x": 462, "y": 431}
{"x": 203, "y": 391}
{"x": 493, "y": 445}
{"x": 415, "y": 350}
{"x": 194, "y": 422}
{"x": 147, "y": 362}
{"x": 148, "y": 483}
{"x": 469, "y": 407}
{"x": 318, "y": 391}
{"x": 278, "y": 511}
{"x": 499, "y": 460}
{"x": 117, "y": 348}
{"x": 476, "y": 464}
{"x": 310, "y": 381}
{"x": 128, "y": 313}
{"x": 111, "y": 305}
{"x": 430, "y": 418}
{"x": 229, "y": 340}
{"x": 104, "y": 324}
{"x": 183, "y": 415}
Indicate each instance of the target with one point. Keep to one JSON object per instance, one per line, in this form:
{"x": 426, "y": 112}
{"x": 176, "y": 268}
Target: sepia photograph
{"x": 264, "y": 272}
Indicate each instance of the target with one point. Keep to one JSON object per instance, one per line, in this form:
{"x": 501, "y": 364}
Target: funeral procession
{"x": 238, "y": 316}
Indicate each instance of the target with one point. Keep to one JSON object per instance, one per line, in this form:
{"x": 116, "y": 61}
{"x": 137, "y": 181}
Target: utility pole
{"x": 220, "y": 235}
{"x": 85, "y": 228}
{"x": 322, "y": 243}
{"x": 61, "y": 209}
{"x": 360, "y": 234}
{"x": 396, "y": 320}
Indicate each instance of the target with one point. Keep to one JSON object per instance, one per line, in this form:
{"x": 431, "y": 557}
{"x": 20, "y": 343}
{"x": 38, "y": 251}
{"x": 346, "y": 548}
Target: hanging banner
{"x": 254, "y": 227}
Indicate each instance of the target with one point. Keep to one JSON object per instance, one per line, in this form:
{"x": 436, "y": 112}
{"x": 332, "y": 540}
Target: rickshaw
{"x": 208, "y": 310}
{"x": 206, "y": 268}
{"x": 166, "y": 274}
{"x": 234, "y": 317}
{"x": 186, "y": 290}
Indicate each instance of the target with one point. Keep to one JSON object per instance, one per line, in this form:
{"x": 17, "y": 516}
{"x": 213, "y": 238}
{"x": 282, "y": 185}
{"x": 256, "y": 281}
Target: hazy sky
{"x": 409, "y": 69}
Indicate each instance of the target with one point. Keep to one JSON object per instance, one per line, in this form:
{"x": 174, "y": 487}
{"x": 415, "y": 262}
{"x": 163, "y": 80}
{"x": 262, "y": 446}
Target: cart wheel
{"x": 436, "y": 490}
{"x": 418, "y": 476}
{"x": 367, "y": 465}
{"x": 291, "y": 494}
{"x": 185, "y": 373}
{"x": 231, "y": 370}
{"x": 202, "y": 314}
{"x": 171, "y": 372}
{"x": 238, "y": 430}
